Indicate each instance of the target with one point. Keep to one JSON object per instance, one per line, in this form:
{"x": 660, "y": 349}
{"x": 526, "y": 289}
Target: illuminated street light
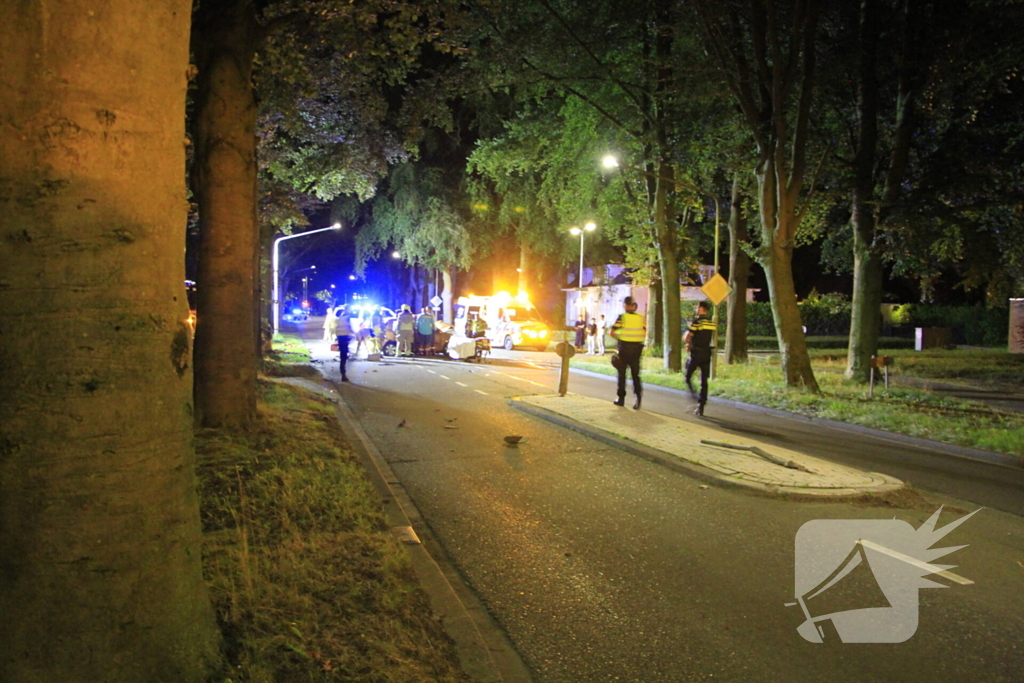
{"x": 276, "y": 300}
{"x": 396, "y": 254}
{"x": 610, "y": 161}
{"x": 589, "y": 227}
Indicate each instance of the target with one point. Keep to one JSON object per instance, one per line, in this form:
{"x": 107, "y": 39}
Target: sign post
{"x": 565, "y": 351}
{"x": 879, "y": 362}
{"x": 718, "y": 290}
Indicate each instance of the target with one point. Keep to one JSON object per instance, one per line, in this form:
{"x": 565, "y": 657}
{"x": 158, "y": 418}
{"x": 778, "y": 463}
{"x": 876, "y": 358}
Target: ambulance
{"x": 512, "y": 322}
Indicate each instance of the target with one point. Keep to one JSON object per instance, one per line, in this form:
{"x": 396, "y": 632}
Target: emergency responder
{"x": 405, "y": 327}
{"x": 629, "y": 329}
{"x": 698, "y": 339}
{"x": 341, "y": 329}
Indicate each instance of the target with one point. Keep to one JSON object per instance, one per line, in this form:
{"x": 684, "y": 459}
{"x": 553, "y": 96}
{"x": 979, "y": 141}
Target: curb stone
{"x": 681, "y": 464}
{"x": 963, "y": 452}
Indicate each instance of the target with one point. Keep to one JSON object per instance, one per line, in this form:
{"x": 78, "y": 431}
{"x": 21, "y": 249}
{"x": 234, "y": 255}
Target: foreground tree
{"x": 225, "y": 38}
{"x": 767, "y": 54}
{"x": 100, "y": 576}
{"x": 364, "y": 42}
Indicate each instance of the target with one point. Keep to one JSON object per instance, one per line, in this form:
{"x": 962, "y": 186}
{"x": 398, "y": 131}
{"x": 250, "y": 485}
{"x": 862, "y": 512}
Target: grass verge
{"x": 902, "y": 410}
{"x": 289, "y": 357}
{"x": 307, "y": 582}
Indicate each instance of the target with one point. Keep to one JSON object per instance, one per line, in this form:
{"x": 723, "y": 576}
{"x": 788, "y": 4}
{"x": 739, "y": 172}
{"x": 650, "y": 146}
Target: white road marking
{"x": 431, "y": 371}
{"x": 484, "y": 393}
{"x": 956, "y": 578}
{"x": 521, "y": 379}
{"x": 460, "y": 384}
{"x": 444, "y": 376}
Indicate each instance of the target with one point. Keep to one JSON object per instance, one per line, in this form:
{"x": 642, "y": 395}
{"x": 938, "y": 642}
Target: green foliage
{"x": 973, "y": 325}
{"x": 418, "y": 213}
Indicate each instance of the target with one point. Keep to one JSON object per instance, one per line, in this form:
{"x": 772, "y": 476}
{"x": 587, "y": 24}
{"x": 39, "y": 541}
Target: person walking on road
{"x": 404, "y": 327}
{"x": 629, "y": 330}
{"x": 602, "y": 328}
{"x": 698, "y": 339}
{"x": 328, "y": 321}
{"x": 341, "y": 329}
{"x": 425, "y": 330}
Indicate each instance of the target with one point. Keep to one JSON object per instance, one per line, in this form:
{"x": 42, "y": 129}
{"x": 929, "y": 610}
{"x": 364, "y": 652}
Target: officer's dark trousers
{"x": 343, "y": 342}
{"x": 704, "y": 365}
{"x": 630, "y": 353}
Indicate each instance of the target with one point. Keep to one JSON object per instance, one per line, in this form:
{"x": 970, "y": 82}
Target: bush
{"x": 971, "y": 325}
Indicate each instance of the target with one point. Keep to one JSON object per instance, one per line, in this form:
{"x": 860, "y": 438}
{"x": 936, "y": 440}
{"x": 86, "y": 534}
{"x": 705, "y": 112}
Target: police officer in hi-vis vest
{"x": 629, "y": 329}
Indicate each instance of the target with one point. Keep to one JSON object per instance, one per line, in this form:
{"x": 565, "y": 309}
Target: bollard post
{"x": 565, "y": 352}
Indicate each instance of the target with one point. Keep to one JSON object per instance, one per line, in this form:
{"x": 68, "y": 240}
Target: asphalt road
{"x": 601, "y": 566}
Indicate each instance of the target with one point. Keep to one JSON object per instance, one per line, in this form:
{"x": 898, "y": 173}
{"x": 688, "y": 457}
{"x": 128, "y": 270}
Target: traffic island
{"x": 702, "y": 450}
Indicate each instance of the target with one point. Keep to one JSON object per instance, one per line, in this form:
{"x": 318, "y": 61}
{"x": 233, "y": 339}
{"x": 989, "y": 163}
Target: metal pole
{"x": 714, "y": 318}
{"x": 276, "y": 303}
{"x": 581, "y": 262}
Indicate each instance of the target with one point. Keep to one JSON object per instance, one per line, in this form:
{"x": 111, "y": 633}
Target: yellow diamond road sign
{"x": 717, "y": 289}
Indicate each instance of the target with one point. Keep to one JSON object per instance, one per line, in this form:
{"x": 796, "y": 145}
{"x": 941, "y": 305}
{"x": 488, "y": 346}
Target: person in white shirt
{"x": 601, "y": 326}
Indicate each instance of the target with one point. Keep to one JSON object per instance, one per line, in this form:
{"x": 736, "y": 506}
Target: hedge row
{"x": 829, "y": 315}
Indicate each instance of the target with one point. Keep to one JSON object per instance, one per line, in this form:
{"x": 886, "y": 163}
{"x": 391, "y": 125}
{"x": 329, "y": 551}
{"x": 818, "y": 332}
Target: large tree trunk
{"x": 224, "y": 178}
{"x": 670, "y": 304}
{"x": 739, "y": 272}
{"x": 100, "y": 576}
{"x": 525, "y": 266}
{"x": 777, "y": 218}
{"x": 868, "y": 211}
{"x": 774, "y": 87}
{"x": 446, "y": 296}
{"x": 654, "y": 321}
{"x": 867, "y": 265}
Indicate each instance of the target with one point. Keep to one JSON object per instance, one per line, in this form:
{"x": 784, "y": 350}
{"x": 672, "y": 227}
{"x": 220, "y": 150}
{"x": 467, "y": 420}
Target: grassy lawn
{"x": 307, "y": 581}
{"x": 902, "y": 409}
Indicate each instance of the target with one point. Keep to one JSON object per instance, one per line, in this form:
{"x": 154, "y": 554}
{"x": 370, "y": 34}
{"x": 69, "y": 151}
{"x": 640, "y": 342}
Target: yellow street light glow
{"x": 610, "y": 161}
{"x": 574, "y": 230}
{"x": 336, "y": 226}
{"x": 396, "y": 254}
{"x": 590, "y": 226}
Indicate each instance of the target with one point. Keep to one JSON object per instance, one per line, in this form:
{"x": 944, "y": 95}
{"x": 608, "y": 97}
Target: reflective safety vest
{"x": 406, "y": 320}
{"x": 342, "y": 326}
{"x": 630, "y": 327}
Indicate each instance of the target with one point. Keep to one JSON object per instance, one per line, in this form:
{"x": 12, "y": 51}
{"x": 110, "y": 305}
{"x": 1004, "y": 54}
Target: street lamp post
{"x": 589, "y": 227}
{"x": 276, "y": 302}
{"x": 611, "y": 161}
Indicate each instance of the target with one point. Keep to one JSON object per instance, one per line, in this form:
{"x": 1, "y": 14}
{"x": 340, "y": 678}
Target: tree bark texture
{"x": 100, "y": 576}
{"x": 654, "y": 322}
{"x": 446, "y": 295}
{"x": 867, "y": 264}
{"x": 525, "y": 270}
{"x": 739, "y": 272}
{"x": 772, "y": 80}
{"x": 868, "y": 210}
{"x": 224, "y": 181}
{"x": 672, "y": 315}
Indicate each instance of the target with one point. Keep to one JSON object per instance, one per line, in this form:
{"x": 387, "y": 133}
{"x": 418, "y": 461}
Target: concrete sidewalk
{"x": 706, "y": 451}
